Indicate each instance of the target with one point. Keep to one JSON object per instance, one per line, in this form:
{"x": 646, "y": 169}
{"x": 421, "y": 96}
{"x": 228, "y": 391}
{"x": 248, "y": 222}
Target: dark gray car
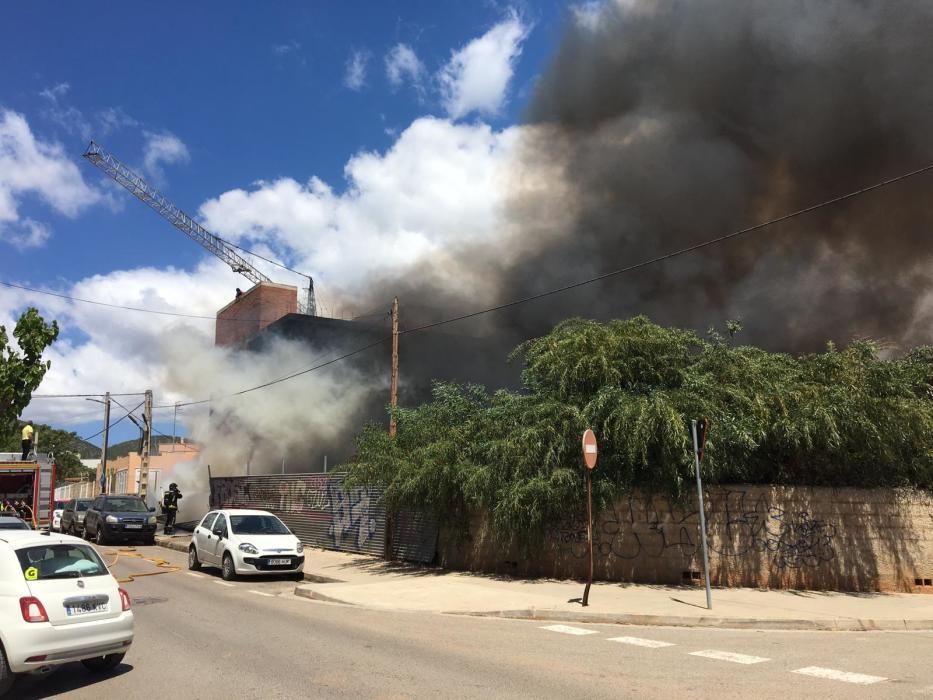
{"x": 120, "y": 519}
{"x": 73, "y": 516}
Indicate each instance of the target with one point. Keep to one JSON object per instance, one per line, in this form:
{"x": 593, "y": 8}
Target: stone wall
{"x": 759, "y": 536}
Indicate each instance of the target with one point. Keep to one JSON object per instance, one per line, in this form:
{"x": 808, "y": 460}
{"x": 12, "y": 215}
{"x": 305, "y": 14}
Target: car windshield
{"x": 257, "y": 525}
{"x": 125, "y": 505}
{"x": 59, "y": 505}
{"x": 52, "y": 561}
{"x": 12, "y": 524}
{"x": 82, "y": 505}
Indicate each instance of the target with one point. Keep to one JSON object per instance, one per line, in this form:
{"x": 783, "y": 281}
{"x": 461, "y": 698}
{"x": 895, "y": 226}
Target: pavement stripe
{"x": 845, "y": 676}
{"x": 267, "y": 595}
{"x": 729, "y": 656}
{"x": 224, "y": 583}
{"x": 195, "y": 575}
{"x": 639, "y": 642}
{"x": 565, "y": 629}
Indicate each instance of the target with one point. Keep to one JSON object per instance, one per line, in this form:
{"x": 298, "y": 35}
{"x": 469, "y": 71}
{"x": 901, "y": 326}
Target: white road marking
{"x": 832, "y": 674}
{"x": 267, "y": 595}
{"x": 639, "y": 642}
{"x": 224, "y": 583}
{"x": 565, "y": 629}
{"x": 195, "y": 575}
{"x": 729, "y": 656}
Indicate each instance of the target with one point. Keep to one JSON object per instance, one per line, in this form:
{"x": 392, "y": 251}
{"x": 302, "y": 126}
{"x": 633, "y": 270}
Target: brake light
{"x": 125, "y": 599}
{"x": 32, "y": 610}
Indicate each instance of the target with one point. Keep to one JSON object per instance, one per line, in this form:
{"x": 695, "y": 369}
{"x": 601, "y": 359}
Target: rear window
{"x": 125, "y": 505}
{"x": 11, "y": 524}
{"x": 82, "y": 505}
{"x": 56, "y": 561}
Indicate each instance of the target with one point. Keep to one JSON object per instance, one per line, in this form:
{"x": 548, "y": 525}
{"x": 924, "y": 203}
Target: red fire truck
{"x": 31, "y": 481}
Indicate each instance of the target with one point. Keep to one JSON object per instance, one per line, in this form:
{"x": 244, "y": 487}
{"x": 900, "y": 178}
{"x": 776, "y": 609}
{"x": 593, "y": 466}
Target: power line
{"x": 80, "y": 396}
{"x": 91, "y": 437}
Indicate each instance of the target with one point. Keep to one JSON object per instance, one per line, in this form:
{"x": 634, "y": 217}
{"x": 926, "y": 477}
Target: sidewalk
{"x": 356, "y": 579}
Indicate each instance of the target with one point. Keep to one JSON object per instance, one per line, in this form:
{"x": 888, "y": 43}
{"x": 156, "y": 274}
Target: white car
{"x": 58, "y": 604}
{"x": 245, "y": 542}
{"x": 56, "y": 524}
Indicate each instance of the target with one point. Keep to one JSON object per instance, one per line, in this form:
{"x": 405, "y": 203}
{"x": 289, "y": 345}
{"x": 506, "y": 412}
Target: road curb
{"x": 737, "y": 623}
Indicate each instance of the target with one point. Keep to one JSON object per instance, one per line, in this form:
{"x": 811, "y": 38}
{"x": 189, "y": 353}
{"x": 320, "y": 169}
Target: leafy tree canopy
{"x": 22, "y": 368}
{"x": 837, "y": 418}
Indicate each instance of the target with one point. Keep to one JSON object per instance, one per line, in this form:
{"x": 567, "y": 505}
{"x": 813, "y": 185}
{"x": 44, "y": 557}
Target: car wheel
{"x": 227, "y": 570}
{"x": 103, "y": 663}
{"x": 7, "y": 678}
{"x": 99, "y": 537}
{"x": 193, "y": 562}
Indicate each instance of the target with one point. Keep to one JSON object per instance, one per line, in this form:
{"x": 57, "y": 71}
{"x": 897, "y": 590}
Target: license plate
{"x": 86, "y": 609}
{"x": 279, "y": 562}
{"x": 133, "y": 526}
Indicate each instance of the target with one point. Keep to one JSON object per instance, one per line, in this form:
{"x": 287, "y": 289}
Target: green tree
{"x": 837, "y": 418}
{"x": 22, "y": 368}
{"x": 68, "y": 448}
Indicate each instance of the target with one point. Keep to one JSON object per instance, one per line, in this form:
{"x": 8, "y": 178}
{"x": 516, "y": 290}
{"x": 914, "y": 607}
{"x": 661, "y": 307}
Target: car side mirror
{"x": 219, "y": 533}
{"x": 152, "y": 509}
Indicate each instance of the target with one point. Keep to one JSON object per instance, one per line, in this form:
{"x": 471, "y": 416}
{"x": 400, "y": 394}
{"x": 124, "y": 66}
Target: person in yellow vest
{"x": 27, "y": 439}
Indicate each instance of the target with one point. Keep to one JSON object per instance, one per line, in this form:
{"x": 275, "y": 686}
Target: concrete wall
{"x": 255, "y": 309}
{"x": 759, "y": 536}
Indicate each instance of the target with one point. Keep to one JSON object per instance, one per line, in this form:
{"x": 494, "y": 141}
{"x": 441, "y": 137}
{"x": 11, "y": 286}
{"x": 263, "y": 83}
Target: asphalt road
{"x": 197, "y": 637}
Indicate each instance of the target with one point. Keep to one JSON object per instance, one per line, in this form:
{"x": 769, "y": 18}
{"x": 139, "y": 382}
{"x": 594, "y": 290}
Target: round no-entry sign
{"x": 589, "y": 449}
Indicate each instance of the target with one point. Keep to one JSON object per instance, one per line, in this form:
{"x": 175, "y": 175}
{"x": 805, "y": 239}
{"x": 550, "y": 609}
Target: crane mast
{"x": 142, "y": 190}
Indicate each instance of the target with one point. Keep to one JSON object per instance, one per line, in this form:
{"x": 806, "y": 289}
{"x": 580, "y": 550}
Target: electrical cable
{"x": 99, "y": 432}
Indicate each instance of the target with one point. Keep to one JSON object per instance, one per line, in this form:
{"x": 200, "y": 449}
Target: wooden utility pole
{"x": 393, "y": 392}
{"x": 105, "y": 477}
{"x": 147, "y": 438}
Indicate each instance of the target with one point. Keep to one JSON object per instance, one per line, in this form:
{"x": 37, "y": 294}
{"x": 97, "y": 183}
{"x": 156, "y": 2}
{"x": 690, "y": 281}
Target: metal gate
{"x": 318, "y": 509}
{"x": 314, "y": 506}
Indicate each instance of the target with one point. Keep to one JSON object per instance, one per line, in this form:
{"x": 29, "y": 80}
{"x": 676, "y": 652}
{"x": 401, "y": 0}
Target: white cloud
{"x": 114, "y": 118}
{"x": 66, "y": 116}
{"x": 31, "y": 167}
{"x": 477, "y": 76}
{"x": 440, "y": 183}
{"x": 285, "y": 49}
{"x": 162, "y": 148}
{"x": 355, "y": 75}
{"x": 402, "y": 63}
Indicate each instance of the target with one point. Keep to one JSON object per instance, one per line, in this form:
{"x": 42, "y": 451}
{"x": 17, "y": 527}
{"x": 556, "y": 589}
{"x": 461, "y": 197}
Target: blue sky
{"x": 231, "y": 109}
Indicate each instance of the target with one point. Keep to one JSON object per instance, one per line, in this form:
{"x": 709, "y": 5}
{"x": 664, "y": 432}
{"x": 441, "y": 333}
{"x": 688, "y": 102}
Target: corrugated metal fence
{"x": 318, "y": 509}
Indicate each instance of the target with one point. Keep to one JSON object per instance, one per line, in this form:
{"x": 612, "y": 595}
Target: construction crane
{"x": 142, "y": 190}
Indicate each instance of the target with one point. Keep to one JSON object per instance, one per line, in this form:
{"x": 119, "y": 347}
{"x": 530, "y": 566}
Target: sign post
{"x": 589, "y": 460}
{"x": 698, "y": 445}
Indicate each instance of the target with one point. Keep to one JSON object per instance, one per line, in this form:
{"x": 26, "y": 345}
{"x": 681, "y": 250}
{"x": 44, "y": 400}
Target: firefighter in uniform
{"x": 170, "y": 508}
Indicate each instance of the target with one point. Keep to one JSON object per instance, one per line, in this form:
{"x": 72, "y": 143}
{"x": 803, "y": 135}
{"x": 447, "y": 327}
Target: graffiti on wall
{"x": 737, "y": 525}
{"x": 337, "y": 518}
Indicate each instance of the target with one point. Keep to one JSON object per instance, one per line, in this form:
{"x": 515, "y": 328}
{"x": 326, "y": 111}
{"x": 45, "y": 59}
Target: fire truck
{"x": 31, "y": 481}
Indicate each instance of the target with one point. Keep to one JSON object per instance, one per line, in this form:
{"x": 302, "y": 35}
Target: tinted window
{"x": 82, "y": 506}
{"x": 208, "y": 520}
{"x": 53, "y": 561}
{"x": 221, "y": 524}
{"x": 12, "y": 524}
{"x": 125, "y": 505}
{"x": 70, "y": 506}
{"x": 59, "y": 505}
{"x": 257, "y": 525}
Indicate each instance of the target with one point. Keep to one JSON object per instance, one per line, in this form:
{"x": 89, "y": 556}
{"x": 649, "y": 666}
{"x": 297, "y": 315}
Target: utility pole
{"x": 147, "y": 438}
{"x": 393, "y": 392}
{"x": 103, "y": 449}
{"x": 174, "y": 419}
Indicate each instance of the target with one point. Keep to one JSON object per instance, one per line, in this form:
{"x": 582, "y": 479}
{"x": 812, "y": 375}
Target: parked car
{"x": 56, "y": 524}
{"x": 12, "y": 522}
{"x": 245, "y": 542}
{"x": 73, "y": 516}
{"x": 120, "y": 518}
{"x": 58, "y": 604}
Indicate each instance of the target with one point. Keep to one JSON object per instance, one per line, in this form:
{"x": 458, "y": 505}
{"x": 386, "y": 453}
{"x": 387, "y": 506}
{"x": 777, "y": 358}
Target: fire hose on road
{"x": 165, "y": 567}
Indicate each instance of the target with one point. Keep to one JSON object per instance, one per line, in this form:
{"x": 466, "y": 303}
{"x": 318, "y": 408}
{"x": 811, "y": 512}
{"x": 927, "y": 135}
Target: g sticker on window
{"x": 32, "y": 573}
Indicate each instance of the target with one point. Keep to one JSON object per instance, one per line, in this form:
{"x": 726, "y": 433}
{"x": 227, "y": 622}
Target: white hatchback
{"x": 58, "y": 604}
{"x": 245, "y": 542}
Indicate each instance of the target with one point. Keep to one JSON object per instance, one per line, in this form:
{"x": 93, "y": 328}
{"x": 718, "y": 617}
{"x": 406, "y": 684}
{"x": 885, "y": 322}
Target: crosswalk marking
{"x": 267, "y": 595}
{"x": 639, "y": 642}
{"x": 845, "y": 676}
{"x": 729, "y": 656}
{"x": 565, "y": 629}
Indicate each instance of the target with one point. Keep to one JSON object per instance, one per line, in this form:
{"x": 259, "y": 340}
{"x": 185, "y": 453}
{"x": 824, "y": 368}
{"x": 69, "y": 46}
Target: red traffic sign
{"x": 589, "y": 449}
